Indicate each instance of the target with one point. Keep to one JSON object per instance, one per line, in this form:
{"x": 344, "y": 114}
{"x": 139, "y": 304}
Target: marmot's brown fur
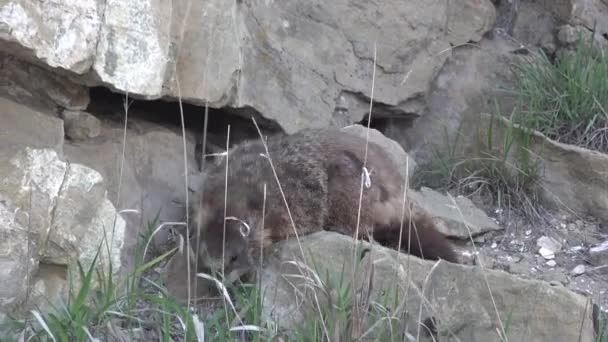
{"x": 320, "y": 173}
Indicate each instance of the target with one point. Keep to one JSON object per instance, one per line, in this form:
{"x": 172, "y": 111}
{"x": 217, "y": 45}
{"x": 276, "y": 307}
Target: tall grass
{"x": 501, "y": 169}
{"x": 567, "y": 100}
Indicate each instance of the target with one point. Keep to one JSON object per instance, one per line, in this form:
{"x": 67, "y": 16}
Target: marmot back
{"x": 320, "y": 175}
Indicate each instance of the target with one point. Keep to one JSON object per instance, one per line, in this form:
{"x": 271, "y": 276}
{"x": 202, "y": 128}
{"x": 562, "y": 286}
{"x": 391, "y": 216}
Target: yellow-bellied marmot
{"x": 320, "y": 173}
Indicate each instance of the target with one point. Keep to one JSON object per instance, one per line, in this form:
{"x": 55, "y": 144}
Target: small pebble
{"x": 546, "y": 253}
{"x": 549, "y": 243}
{"x": 551, "y": 263}
{"x": 578, "y": 270}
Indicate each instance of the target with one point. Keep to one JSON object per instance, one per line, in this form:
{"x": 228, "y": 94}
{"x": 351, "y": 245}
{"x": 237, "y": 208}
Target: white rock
{"x": 598, "y": 255}
{"x": 551, "y": 263}
{"x": 546, "y": 253}
{"x": 578, "y": 270}
{"x": 549, "y": 243}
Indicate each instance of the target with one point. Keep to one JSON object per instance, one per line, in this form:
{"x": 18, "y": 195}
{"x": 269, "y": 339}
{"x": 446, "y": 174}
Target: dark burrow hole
{"x": 383, "y": 124}
{"x": 109, "y": 105}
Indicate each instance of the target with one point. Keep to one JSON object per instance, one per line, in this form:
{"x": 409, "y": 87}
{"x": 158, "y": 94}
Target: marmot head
{"x": 225, "y": 234}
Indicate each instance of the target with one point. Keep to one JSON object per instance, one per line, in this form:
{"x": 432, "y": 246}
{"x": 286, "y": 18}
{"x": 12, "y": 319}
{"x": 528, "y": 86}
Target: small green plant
{"x": 567, "y": 100}
{"x": 340, "y": 312}
{"x": 97, "y": 300}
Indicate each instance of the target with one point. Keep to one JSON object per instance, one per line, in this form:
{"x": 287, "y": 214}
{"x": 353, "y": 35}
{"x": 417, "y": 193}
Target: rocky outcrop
{"x": 52, "y": 213}
{"x": 573, "y": 179}
{"x": 312, "y": 60}
{"x": 469, "y": 303}
{"x": 468, "y": 84}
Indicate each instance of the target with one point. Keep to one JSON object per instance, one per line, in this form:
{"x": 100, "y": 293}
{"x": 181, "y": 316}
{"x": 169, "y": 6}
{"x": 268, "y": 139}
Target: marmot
{"x": 320, "y": 174}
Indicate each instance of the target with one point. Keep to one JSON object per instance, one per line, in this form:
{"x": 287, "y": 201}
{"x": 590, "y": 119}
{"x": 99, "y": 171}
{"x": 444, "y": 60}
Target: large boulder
{"x": 53, "y": 214}
{"x": 295, "y": 63}
{"x": 469, "y": 303}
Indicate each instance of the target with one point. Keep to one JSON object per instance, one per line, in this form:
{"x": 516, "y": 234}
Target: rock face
{"x": 466, "y": 86}
{"x": 313, "y": 60}
{"x": 32, "y": 85}
{"x": 80, "y": 125}
{"x": 456, "y": 295}
{"x": 153, "y": 170}
{"x": 52, "y": 213}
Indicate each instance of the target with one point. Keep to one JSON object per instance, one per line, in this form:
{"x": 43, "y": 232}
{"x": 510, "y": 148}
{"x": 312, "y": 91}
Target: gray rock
{"x": 455, "y": 218}
{"x": 311, "y": 58}
{"x": 152, "y": 175}
{"x": 567, "y": 34}
{"x": 578, "y": 270}
{"x": 32, "y": 85}
{"x": 80, "y": 125}
{"x": 406, "y": 164}
{"x": 546, "y": 253}
{"x": 457, "y": 294}
{"x": 460, "y": 92}
{"x": 592, "y": 14}
{"x": 522, "y": 267}
{"x": 317, "y": 57}
{"x": 23, "y": 126}
{"x": 555, "y": 276}
{"x": 51, "y": 213}
{"x": 549, "y": 243}
{"x": 598, "y": 255}
{"x": 133, "y": 43}
{"x": 60, "y": 34}
{"x": 534, "y": 25}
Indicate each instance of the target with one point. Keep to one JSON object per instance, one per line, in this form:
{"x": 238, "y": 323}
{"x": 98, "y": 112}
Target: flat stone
{"x": 453, "y": 218}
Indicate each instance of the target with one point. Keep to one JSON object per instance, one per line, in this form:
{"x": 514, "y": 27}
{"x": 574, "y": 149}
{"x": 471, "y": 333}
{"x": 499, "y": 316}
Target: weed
{"x": 567, "y": 100}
